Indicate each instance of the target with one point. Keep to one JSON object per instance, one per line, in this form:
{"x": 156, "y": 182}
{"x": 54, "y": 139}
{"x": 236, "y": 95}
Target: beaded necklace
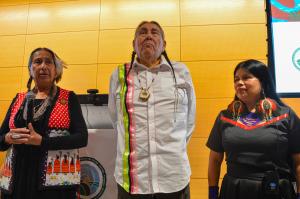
{"x": 250, "y": 119}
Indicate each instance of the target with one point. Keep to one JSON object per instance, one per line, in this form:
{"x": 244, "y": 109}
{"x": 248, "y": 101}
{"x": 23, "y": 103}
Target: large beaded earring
{"x": 266, "y": 107}
{"x": 236, "y": 108}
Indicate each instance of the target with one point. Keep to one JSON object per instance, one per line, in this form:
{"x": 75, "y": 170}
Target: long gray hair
{"x": 58, "y": 62}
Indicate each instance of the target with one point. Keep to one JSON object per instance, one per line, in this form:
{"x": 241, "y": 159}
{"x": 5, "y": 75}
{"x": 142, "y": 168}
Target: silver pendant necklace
{"x": 144, "y": 93}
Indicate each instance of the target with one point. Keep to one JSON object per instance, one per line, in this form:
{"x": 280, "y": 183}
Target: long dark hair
{"x": 262, "y": 73}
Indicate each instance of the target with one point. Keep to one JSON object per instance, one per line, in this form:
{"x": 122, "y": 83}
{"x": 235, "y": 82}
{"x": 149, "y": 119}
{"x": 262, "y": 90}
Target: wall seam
{"x": 24, "y": 49}
{"x": 98, "y": 49}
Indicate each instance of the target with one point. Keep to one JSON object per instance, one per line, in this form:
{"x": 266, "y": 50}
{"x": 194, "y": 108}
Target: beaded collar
{"x": 251, "y": 119}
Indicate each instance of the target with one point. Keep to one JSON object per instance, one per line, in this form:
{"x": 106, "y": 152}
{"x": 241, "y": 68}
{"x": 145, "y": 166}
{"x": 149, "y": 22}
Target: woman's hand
{"x": 17, "y": 136}
{"x": 23, "y": 136}
{"x": 34, "y": 138}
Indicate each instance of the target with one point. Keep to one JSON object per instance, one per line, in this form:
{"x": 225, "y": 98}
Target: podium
{"x": 98, "y": 158}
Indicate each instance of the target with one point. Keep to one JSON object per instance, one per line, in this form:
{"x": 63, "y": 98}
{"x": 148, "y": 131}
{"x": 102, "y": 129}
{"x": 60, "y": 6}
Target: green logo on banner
{"x": 296, "y": 58}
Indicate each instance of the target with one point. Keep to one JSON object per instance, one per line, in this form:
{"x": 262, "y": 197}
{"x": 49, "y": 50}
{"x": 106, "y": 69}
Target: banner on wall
{"x": 97, "y": 165}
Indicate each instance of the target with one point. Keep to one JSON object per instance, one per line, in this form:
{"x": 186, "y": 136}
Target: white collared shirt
{"x": 160, "y": 127}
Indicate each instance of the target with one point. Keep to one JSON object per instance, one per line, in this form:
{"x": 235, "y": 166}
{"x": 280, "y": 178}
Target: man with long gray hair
{"x": 152, "y": 106}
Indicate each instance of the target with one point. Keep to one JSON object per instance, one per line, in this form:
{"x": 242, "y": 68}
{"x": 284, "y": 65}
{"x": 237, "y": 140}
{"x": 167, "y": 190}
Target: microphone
{"x": 30, "y": 98}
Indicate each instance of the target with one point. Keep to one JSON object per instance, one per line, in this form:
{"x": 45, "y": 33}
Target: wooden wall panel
{"x": 223, "y": 42}
{"x": 2, "y": 156}
{"x": 47, "y": 1}
{"x": 213, "y": 79}
{"x": 13, "y": 2}
{"x": 12, "y": 50}
{"x": 119, "y": 14}
{"x": 199, "y": 189}
{"x": 10, "y": 82}
{"x": 294, "y": 103}
{"x": 206, "y": 113}
{"x": 207, "y": 12}
{"x": 79, "y": 78}
{"x": 64, "y": 16}
{"x": 173, "y": 44}
{"x": 115, "y": 46}
{"x": 72, "y": 47}
{"x": 4, "y": 104}
{"x": 103, "y": 76}
{"x": 13, "y": 19}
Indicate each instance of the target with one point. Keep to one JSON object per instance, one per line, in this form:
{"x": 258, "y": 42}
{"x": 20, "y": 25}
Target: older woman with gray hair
{"x": 41, "y": 134}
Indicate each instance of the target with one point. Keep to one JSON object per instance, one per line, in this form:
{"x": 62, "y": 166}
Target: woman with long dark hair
{"x": 259, "y": 135}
